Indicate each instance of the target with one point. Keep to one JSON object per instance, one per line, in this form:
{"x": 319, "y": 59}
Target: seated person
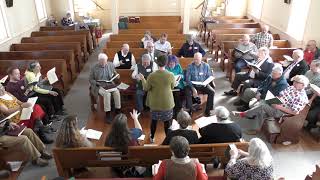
{"x": 150, "y": 50}
{"x": 28, "y": 142}
{"x": 146, "y": 67}
{"x": 199, "y": 71}
{"x": 274, "y": 83}
{"x": 255, "y": 164}
{"x": 51, "y": 21}
{"x": 67, "y": 21}
{"x": 43, "y": 89}
{"x": 10, "y": 104}
{"x": 69, "y": 135}
{"x": 124, "y": 59}
{"x": 190, "y": 47}
{"x": 18, "y": 88}
{"x": 263, "y": 38}
{"x": 121, "y": 137}
{"x": 298, "y": 67}
{"x": 180, "y": 166}
{"x": 244, "y": 51}
{"x": 147, "y": 38}
{"x": 311, "y": 52}
{"x": 184, "y": 120}
{"x": 81, "y": 25}
{"x": 163, "y": 45}
{"x": 174, "y": 67}
{"x": 104, "y": 70}
{"x": 294, "y": 99}
{"x": 223, "y": 131}
{"x": 254, "y": 76}
{"x": 314, "y": 77}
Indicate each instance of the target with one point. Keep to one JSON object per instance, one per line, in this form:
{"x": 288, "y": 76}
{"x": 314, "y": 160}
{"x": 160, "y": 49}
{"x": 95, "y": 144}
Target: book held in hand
{"x": 3, "y": 80}
{"x": 109, "y": 81}
{"x": 91, "y": 133}
{"x": 205, "y": 121}
{"x": 26, "y": 112}
{"x": 204, "y": 83}
{"x": 288, "y": 58}
{"x": 253, "y": 65}
{"x": 242, "y": 51}
{"x": 52, "y": 76}
{"x": 17, "y": 131}
{"x": 271, "y": 99}
{"x": 123, "y": 86}
{"x": 9, "y": 117}
{"x": 155, "y": 168}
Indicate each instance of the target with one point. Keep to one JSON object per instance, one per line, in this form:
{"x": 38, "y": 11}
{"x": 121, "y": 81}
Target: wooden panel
{"x": 137, "y": 52}
{"x": 137, "y": 37}
{"x": 153, "y": 31}
{"x": 136, "y": 44}
{"x": 56, "y": 28}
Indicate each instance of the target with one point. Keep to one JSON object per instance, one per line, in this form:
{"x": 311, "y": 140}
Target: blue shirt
{"x": 197, "y": 73}
{"x": 177, "y": 70}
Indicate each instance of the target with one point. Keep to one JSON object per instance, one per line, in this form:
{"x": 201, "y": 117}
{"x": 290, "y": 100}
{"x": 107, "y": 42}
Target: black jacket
{"x": 266, "y": 69}
{"x": 190, "y": 135}
{"x": 300, "y": 69}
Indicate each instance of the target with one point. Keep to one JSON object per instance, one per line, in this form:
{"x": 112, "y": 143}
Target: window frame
{"x": 5, "y": 23}
{"x": 43, "y": 4}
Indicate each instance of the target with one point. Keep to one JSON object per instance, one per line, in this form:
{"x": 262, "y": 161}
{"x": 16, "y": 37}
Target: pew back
{"x": 136, "y": 44}
{"x": 137, "y": 52}
{"x": 137, "y": 37}
{"x": 153, "y": 31}
{"x": 56, "y": 28}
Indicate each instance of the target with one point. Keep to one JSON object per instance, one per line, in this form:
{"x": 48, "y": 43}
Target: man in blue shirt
{"x": 198, "y": 72}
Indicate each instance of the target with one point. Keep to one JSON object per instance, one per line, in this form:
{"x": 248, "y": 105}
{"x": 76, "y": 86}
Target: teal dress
{"x": 177, "y": 70}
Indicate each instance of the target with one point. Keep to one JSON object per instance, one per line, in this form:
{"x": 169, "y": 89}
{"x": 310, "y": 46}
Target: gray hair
{"x": 298, "y": 52}
{"x": 277, "y": 68}
{"x": 183, "y": 119}
{"x": 189, "y": 37}
{"x": 179, "y": 146}
{"x": 316, "y": 62}
{"x": 102, "y": 56}
{"x": 145, "y": 57}
{"x": 197, "y": 54}
{"x": 125, "y": 46}
{"x": 259, "y": 153}
{"x": 301, "y": 79}
{"x": 222, "y": 113}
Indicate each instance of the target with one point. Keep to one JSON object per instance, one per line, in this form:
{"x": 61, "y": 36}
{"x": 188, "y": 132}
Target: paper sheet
{"x": 52, "y": 76}
{"x": 204, "y": 121}
{"x": 9, "y": 117}
{"x": 123, "y": 86}
{"x": 288, "y": 58}
{"x": 269, "y": 95}
{"x": 155, "y": 168}
{"x": 4, "y": 79}
{"x": 142, "y": 137}
{"x": 15, "y": 165}
{"x": 26, "y": 112}
{"x": 91, "y": 133}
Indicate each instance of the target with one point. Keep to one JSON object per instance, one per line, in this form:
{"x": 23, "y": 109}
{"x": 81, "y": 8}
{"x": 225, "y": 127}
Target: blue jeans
{"x": 240, "y": 64}
{"x": 140, "y": 99}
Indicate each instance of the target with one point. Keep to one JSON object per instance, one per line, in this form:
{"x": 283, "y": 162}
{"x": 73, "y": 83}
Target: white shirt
{"x": 166, "y": 47}
{"x": 116, "y": 61}
{"x": 135, "y": 71}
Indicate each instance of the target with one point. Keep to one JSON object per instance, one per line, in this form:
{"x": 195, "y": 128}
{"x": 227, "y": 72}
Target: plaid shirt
{"x": 294, "y": 99}
{"x": 262, "y": 39}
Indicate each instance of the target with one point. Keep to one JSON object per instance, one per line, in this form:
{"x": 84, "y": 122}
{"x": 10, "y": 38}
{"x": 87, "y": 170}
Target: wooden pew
{"x": 136, "y": 44}
{"x": 184, "y": 62}
{"x": 46, "y": 65}
{"x": 137, "y": 52}
{"x": 67, "y": 33}
{"x": 73, "y": 38}
{"x": 137, "y": 37}
{"x": 226, "y": 21}
{"x": 67, "y": 55}
{"x": 142, "y": 31}
{"x": 275, "y": 54}
{"x": 75, "y": 46}
{"x": 145, "y": 19}
{"x": 226, "y": 45}
{"x": 156, "y": 25}
{"x": 56, "y": 28}
{"x": 231, "y": 17}
{"x": 69, "y": 158}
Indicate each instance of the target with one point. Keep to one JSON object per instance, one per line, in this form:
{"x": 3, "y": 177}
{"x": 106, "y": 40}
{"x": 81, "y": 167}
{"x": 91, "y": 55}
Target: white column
{"x": 186, "y": 16}
{"x": 115, "y": 16}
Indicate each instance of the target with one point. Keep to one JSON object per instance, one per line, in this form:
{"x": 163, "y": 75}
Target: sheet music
{"x": 9, "y": 117}
{"x": 4, "y": 79}
{"x": 123, "y": 86}
{"x": 204, "y": 83}
{"x": 26, "y": 112}
{"x": 269, "y": 95}
{"x": 52, "y": 76}
{"x": 14, "y": 165}
{"x": 205, "y": 121}
{"x": 155, "y": 168}
{"x": 91, "y": 133}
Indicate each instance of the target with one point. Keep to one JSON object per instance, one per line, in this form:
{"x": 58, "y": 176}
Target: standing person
{"x": 159, "y": 85}
{"x": 104, "y": 70}
{"x": 263, "y": 38}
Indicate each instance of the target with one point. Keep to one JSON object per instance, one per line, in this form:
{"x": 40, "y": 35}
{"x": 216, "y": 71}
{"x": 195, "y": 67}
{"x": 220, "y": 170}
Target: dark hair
{"x": 32, "y": 65}
{"x": 11, "y": 69}
{"x": 119, "y": 136}
{"x": 162, "y": 60}
{"x": 164, "y": 35}
{"x": 179, "y": 146}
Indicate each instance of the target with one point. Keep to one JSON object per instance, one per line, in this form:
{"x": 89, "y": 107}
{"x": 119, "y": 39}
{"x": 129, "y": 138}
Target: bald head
{"x": 125, "y": 48}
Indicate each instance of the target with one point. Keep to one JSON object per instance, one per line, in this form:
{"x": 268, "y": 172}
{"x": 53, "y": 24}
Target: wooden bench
{"x": 72, "y": 38}
{"x": 70, "y": 158}
{"x": 67, "y": 33}
{"x": 136, "y": 44}
{"x": 226, "y": 45}
{"x": 157, "y": 25}
{"x": 46, "y": 65}
{"x": 145, "y": 19}
{"x": 276, "y": 55}
{"x": 75, "y": 46}
{"x": 67, "y": 55}
{"x": 56, "y": 28}
{"x": 137, "y": 52}
{"x": 226, "y": 21}
{"x": 153, "y": 31}
{"x": 137, "y": 37}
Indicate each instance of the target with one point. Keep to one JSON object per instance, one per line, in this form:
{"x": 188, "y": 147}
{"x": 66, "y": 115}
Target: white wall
{"x": 313, "y": 23}
{"x": 22, "y": 20}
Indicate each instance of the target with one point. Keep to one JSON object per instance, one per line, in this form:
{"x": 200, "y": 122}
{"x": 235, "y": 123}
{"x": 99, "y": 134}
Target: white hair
{"x": 197, "y": 54}
{"x": 299, "y": 52}
{"x": 277, "y": 68}
{"x": 259, "y": 153}
{"x": 125, "y": 46}
{"x": 301, "y": 79}
{"x": 146, "y": 57}
{"x": 102, "y": 56}
{"x": 222, "y": 112}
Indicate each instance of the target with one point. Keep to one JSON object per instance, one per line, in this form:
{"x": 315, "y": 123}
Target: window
{"x": 82, "y": 7}
{"x": 4, "y": 33}
{"x": 41, "y": 10}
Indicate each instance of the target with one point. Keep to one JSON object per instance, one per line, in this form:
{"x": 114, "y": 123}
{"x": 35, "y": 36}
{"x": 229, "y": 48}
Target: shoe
{"x": 108, "y": 118}
{"x": 118, "y": 111}
{"x": 151, "y": 140}
{"x": 45, "y": 155}
{"x": 4, "y": 174}
{"x": 43, "y": 137}
{"x": 40, "y": 162}
{"x": 242, "y": 108}
{"x": 239, "y": 103}
{"x": 207, "y": 114}
{"x": 231, "y": 93}
{"x": 251, "y": 132}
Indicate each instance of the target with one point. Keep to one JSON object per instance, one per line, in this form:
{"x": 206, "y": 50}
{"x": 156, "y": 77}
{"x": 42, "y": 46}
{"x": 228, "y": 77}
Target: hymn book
{"x": 52, "y": 76}
{"x": 253, "y": 65}
{"x": 243, "y": 51}
{"x": 271, "y": 99}
{"x": 175, "y": 126}
{"x": 26, "y": 112}
{"x": 109, "y": 81}
{"x": 204, "y": 83}
{"x": 205, "y": 121}
{"x": 3, "y": 80}
{"x": 9, "y": 117}
{"x": 155, "y": 168}
{"x": 288, "y": 58}
{"x": 177, "y": 78}
{"x": 91, "y": 133}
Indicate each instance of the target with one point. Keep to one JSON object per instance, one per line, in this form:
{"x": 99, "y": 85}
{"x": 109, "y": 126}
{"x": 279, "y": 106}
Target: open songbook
{"x": 109, "y": 81}
{"x": 3, "y": 80}
{"x": 204, "y": 83}
{"x": 205, "y": 121}
{"x": 91, "y": 133}
{"x": 271, "y": 99}
{"x": 26, "y": 112}
{"x": 52, "y": 76}
{"x": 253, "y": 65}
{"x": 9, "y": 117}
{"x": 242, "y": 51}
